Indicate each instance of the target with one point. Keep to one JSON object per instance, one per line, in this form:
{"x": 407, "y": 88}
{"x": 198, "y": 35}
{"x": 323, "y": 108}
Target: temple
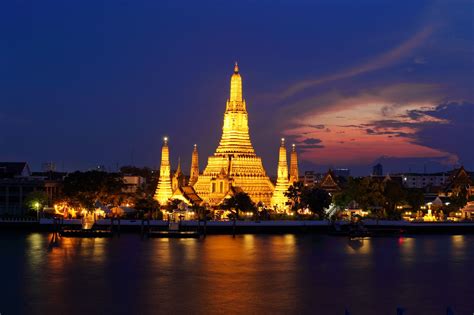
{"x": 178, "y": 179}
{"x": 194, "y": 167}
{"x": 279, "y": 199}
{"x": 163, "y": 190}
{"x": 235, "y": 163}
{"x": 233, "y": 168}
{"x": 294, "y": 173}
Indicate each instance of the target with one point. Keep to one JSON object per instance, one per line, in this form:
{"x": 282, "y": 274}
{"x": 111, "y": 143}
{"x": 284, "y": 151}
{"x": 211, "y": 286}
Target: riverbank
{"x": 248, "y": 227}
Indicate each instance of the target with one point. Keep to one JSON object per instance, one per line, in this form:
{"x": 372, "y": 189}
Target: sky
{"x": 352, "y": 83}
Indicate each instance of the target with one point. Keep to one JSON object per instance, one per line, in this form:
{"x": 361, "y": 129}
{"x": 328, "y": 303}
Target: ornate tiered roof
{"x": 235, "y": 155}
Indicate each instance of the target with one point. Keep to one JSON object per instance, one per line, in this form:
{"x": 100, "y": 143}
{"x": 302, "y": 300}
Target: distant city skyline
{"x": 84, "y": 84}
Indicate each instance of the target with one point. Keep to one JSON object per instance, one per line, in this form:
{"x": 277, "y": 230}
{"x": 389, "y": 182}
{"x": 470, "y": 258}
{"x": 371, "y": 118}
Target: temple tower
{"x": 163, "y": 190}
{"x": 294, "y": 174}
{"x": 279, "y": 199}
{"x": 178, "y": 178}
{"x": 234, "y": 164}
{"x": 194, "y": 167}
{"x": 235, "y": 131}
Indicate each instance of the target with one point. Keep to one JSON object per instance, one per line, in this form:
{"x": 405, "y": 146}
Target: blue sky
{"x": 101, "y": 82}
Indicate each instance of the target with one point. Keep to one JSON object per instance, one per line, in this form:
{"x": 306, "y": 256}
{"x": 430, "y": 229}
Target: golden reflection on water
{"x": 458, "y": 244}
{"x": 35, "y": 245}
{"x": 224, "y": 269}
{"x": 221, "y": 274}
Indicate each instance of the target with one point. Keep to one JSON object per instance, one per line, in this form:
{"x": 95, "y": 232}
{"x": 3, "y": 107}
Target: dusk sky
{"x": 352, "y": 83}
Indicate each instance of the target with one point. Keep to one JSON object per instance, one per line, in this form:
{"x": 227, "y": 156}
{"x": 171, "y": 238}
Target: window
{"x": 213, "y": 187}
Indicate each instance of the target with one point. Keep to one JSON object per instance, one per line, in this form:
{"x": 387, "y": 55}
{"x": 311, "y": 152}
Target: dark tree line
{"x": 313, "y": 198}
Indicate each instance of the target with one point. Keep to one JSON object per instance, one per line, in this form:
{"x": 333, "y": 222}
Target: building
{"x": 133, "y": 183}
{"x": 234, "y": 163}
{"x": 330, "y": 183}
{"x": 17, "y": 182}
{"x": 342, "y": 172}
{"x": 377, "y": 170}
{"x": 311, "y": 178}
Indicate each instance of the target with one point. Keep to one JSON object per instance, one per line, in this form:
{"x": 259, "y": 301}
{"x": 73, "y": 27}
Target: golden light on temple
{"x": 234, "y": 166}
{"x": 163, "y": 190}
{"x": 294, "y": 172}
{"x": 279, "y": 199}
{"x": 194, "y": 167}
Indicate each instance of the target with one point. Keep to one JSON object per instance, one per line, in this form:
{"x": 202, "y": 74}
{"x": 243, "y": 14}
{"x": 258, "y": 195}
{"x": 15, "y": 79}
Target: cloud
{"x": 383, "y": 121}
{"x": 419, "y": 60}
{"x": 384, "y": 60}
{"x": 311, "y": 141}
{"x": 454, "y": 135}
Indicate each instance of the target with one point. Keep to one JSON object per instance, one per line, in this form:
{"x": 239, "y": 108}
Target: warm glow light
{"x": 246, "y": 169}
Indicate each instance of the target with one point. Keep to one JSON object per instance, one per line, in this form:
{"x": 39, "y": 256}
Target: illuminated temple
{"x": 233, "y": 168}
{"x": 234, "y": 165}
{"x": 278, "y": 199}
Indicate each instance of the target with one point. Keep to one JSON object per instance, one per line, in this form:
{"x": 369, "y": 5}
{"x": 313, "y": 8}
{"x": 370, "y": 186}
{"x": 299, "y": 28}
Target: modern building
{"x": 311, "y": 178}
{"x": 418, "y": 180}
{"x": 377, "y": 170}
{"x": 342, "y": 172}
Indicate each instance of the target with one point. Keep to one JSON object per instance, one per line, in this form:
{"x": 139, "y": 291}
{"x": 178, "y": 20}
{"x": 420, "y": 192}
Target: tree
{"x": 294, "y": 195}
{"x": 394, "y": 195}
{"x": 36, "y": 200}
{"x": 415, "y": 198}
{"x": 86, "y": 188}
{"x": 458, "y": 199}
{"x": 149, "y": 205}
{"x": 316, "y": 199}
{"x": 239, "y": 202}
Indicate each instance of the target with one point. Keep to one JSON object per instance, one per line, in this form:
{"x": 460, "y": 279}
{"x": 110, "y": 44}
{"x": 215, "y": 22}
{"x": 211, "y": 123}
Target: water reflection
{"x": 458, "y": 244}
{"x": 359, "y": 246}
{"x": 247, "y": 274}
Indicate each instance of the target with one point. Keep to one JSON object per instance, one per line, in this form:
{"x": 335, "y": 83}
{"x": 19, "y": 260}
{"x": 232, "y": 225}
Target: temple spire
{"x": 178, "y": 177}
{"x": 194, "y": 167}
{"x": 279, "y": 199}
{"x": 236, "y": 86}
{"x": 178, "y": 170}
{"x": 163, "y": 190}
{"x": 234, "y": 166}
{"x": 294, "y": 173}
{"x": 235, "y": 131}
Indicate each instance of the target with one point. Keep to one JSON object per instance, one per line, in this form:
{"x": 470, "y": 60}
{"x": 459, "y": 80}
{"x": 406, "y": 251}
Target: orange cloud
{"x": 361, "y": 128}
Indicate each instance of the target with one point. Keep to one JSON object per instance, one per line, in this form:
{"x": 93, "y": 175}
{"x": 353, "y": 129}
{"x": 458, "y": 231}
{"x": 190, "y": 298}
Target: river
{"x": 251, "y": 274}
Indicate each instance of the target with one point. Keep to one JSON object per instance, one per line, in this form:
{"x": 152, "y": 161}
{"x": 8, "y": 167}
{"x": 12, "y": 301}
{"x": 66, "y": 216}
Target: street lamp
{"x": 37, "y": 206}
